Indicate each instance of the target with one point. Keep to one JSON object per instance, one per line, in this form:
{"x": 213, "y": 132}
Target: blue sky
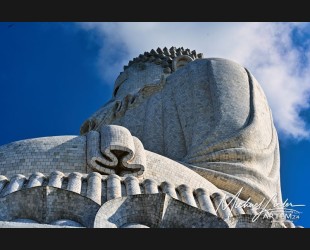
{"x": 55, "y": 75}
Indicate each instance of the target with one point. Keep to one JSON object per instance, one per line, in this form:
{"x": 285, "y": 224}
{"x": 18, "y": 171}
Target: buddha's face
{"x": 135, "y": 78}
{"x": 128, "y": 86}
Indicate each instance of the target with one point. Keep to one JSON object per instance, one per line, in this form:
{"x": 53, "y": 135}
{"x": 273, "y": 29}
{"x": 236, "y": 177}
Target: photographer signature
{"x": 284, "y": 210}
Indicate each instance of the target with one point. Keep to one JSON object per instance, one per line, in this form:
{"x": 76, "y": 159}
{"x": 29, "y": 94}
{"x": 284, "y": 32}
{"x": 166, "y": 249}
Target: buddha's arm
{"x": 229, "y": 133}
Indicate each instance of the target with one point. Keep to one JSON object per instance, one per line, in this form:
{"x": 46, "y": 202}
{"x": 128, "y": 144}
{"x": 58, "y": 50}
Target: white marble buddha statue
{"x": 193, "y": 127}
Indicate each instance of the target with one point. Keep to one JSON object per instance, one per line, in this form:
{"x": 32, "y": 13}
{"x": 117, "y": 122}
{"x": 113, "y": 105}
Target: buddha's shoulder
{"x": 213, "y": 62}
{"x": 209, "y": 70}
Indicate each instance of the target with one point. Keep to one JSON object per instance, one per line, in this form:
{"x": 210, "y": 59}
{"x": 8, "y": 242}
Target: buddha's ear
{"x": 180, "y": 61}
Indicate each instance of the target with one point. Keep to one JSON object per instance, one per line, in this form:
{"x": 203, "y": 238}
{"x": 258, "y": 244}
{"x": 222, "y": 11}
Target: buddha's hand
{"x": 115, "y": 151}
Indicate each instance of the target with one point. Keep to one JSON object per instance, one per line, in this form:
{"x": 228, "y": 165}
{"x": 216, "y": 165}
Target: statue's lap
{"x": 68, "y": 154}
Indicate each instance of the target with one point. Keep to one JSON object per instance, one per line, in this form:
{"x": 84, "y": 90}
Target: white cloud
{"x": 266, "y": 49}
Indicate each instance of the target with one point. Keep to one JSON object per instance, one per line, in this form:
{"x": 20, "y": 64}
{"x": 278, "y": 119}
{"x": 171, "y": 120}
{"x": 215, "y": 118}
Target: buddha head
{"x": 143, "y": 76}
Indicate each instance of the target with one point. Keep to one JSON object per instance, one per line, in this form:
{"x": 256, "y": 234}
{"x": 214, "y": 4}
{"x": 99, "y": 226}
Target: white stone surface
{"x": 177, "y": 124}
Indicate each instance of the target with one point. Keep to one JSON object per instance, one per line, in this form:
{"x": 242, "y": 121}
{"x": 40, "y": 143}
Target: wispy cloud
{"x": 268, "y": 50}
